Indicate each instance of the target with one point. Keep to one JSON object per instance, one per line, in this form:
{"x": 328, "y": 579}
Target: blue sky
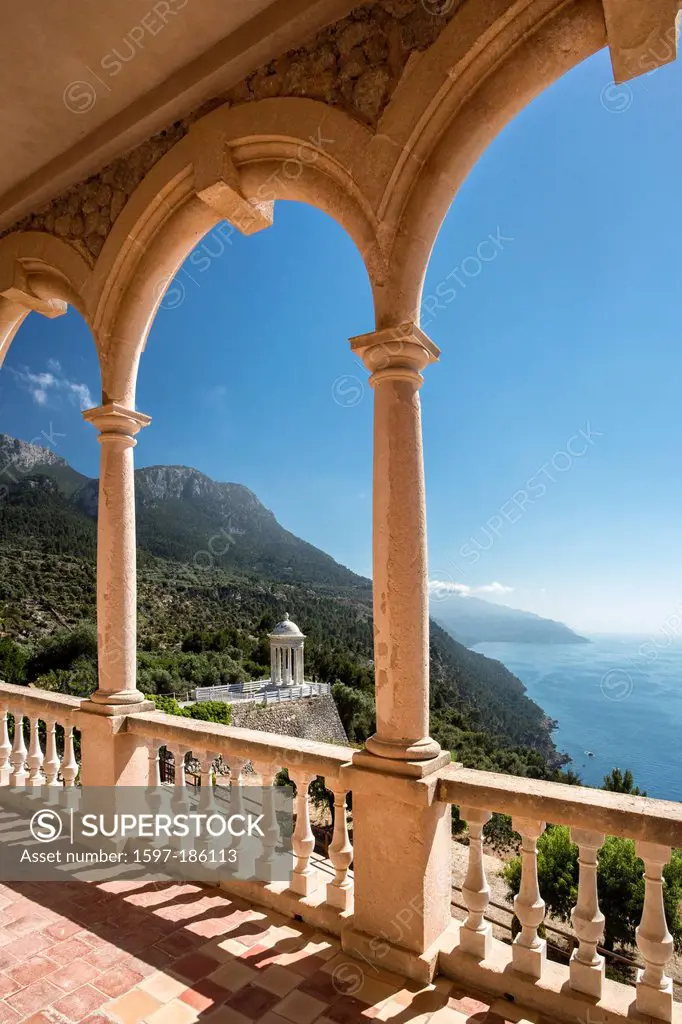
{"x": 551, "y": 424}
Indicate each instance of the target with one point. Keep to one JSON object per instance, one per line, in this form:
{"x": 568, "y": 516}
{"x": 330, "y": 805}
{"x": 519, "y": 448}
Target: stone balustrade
{"x": 327, "y": 890}
{"x": 22, "y": 765}
{"x": 524, "y": 971}
{"x": 326, "y": 901}
{"x": 322, "y": 892}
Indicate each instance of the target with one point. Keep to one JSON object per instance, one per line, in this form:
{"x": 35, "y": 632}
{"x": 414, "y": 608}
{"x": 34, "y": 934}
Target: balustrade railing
{"x": 654, "y": 825}
{"x": 37, "y": 733}
{"x": 265, "y": 691}
{"x": 48, "y": 759}
{"x": 267, "y": 754}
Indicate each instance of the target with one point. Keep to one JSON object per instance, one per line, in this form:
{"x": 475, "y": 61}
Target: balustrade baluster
{"x": 180, "y": 802}
{"x": 69, "y": 762}
{"x": 5, "y": 750}
{"x": 156, "y": 793}
{"x": 236, "y": 807}
{"x": 340, "y": 890}
{"x": 476, "y": 934}
{"x": 35, "y": 755}
{"x": 654, "y": 941}
{"x": 529, "y": 951}
{"x": 18, "y": 755}
{"x": 304, "y": 878}
{"x": 207, "y": 805}
{"x": 266, "y": 863}
{"x": 587, "y": 966}
{"x": 51, "y": 762}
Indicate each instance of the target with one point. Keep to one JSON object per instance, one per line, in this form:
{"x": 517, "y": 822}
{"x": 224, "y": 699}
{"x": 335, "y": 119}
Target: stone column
{"x": 116, "y": 555}
{"x": 394, "y": 780}
{"x": 110, "y": 756}
{"x": 395, "y": 358}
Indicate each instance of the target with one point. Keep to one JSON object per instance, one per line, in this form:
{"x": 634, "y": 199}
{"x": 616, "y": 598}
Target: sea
{"x": 617, "y": 701}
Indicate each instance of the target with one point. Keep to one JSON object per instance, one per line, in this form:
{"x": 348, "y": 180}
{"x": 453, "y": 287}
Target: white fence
{"x": 261, "y": 691}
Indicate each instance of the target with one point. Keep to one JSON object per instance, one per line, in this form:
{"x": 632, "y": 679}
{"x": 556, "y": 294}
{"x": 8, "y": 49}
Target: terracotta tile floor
{"x": 171, "y": 953}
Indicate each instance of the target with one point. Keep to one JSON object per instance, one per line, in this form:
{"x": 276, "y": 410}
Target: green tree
{"x": 621, "y": 782}
{"x": 62, "y": 649}
{"x": 12, "y": 661}
{"x": 356, "y": 711}
{"x": 206, "y": 711}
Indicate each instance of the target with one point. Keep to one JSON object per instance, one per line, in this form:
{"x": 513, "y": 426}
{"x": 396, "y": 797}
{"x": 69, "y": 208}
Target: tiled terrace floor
{"x": 172, "y": 953}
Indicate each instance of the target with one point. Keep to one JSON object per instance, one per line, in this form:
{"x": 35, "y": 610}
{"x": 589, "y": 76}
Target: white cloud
{"x": 443, "y": 587}
{"x": 494, "y": 588}
{"x": 44, "y": 386}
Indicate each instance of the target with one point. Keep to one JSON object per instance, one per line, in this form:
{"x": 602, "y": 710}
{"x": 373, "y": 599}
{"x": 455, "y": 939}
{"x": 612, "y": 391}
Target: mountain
{"x": 185, "y": 516}
{"x": 474, "y": 621}
{"x": 215, "y": 572}
{"x": 21, "y": 458}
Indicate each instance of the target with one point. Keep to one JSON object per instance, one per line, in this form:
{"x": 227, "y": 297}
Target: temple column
{"x": 111, "y": 763}
{"x": 394, "y": 780}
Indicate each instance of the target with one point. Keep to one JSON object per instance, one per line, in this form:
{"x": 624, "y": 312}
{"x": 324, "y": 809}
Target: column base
{"x": 399, "y": 820}
{"x": 587, "y": 978}
{"x": 111, "y": 756}
{"x": 412, "y": 769}
{"x": 129, "y": 702}
{"x": 420, "y": 750}
{"x": 655, "y": 1002}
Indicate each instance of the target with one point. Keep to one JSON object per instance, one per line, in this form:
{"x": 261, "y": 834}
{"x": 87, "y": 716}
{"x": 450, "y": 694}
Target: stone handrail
{"x": 22, "y": 710}
{"x": 614, "y": 814}
{"x": 592, "y": 814}
{"x": 325, "y": 759}
{"x": 31, "y": 766}
{"x": 33, "y": 699}
{"x": 267, "y": 753}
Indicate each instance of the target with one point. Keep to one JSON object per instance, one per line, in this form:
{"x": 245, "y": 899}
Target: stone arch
{"x": 441, "y": 140}
{"x": 39, "y": 273}
{"x": 240, "y": 160}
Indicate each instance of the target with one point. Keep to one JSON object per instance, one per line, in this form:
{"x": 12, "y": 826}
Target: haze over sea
{"x": 618, "y": 696}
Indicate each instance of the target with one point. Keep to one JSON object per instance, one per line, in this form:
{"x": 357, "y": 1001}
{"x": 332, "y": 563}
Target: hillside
{"x": 204, "y": 618}
{"x": 472, "y": 621}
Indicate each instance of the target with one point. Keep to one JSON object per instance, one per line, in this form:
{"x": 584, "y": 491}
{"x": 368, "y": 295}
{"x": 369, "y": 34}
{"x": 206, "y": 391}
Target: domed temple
{"x": 286, "y": 654}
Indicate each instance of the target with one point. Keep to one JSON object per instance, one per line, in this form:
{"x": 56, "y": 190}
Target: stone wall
{"x": 312, "y": 718}
{"x": 354, "y": 64}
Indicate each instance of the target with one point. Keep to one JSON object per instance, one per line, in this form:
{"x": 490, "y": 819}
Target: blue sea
{"x": 619, "y": 697}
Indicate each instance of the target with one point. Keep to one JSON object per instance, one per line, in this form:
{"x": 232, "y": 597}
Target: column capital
{"x": 396, "y": 353}
{"x": 116, "y": 422}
